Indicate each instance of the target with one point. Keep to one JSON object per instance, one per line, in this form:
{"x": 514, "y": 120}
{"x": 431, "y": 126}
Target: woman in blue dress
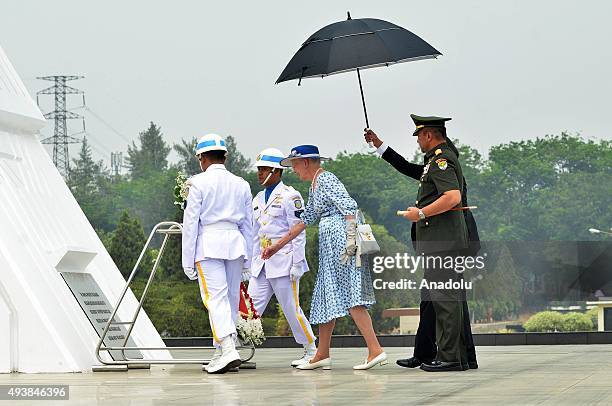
{"x": 341, "y": 288}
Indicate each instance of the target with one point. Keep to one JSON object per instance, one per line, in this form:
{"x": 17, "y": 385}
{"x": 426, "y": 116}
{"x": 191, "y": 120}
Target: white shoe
{"x": 229, "y": 358}
{"x": 309, "y": 352}
{"x": 380, "y": 359}
{"x": 214, "y": 359}
{"x": 324, "y": 363}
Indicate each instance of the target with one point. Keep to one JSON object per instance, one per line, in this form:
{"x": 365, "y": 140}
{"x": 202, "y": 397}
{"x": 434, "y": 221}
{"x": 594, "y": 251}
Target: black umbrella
{"x": 355, "y": 44}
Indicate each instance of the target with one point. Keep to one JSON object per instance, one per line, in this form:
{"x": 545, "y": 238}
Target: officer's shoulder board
{"x": 291, "y": 191}
{"x": 442, "y": 157}
{"x": 295, "y": 198}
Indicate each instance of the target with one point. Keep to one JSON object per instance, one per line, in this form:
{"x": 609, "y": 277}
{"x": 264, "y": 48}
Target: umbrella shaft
{"x": 365, "y": 112}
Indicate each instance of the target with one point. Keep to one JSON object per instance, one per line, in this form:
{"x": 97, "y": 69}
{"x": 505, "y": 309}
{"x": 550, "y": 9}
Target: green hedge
{"x": 501, "y": 309}
{"x": 594, "y": 315}
{"x": 550, "y": 321}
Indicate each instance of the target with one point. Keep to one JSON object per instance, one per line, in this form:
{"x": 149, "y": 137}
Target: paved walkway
{"x": 527, "y": 375}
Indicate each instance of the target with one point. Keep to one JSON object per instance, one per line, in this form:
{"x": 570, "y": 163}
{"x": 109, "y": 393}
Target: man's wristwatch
{"x": 421, "y": 215}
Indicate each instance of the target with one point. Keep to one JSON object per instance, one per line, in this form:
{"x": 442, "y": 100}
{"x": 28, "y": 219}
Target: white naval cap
{"x": 270, "y": 157}
{"x": 210, "y": 142}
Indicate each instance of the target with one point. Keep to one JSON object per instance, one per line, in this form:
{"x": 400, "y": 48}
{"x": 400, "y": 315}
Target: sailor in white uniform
{"x": 276, "y": 209}
{"x": 218, "y": 244}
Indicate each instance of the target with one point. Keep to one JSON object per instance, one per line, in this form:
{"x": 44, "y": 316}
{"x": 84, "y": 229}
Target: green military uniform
{"x": 443, "y": 235}
{"x": 446, "y": 231}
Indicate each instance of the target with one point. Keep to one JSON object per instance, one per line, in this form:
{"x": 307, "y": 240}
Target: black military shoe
{"x": 412, "y": 362}
{"x": 473, "y": 364}
{"x": 443, "y": 366}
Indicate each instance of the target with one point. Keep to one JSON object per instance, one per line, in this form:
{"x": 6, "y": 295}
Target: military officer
{"x": 276, "y": 209}
{"x": 436, "y": 231}
{"x": 217, "y": 244}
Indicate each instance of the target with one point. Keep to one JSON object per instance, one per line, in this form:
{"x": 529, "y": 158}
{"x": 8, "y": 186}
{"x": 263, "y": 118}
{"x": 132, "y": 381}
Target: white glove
{"x": 351, "y": 241}
{"x": 191, "y": 273}
{"x": 296, "y": 272}
{"x": 246, "y": 274}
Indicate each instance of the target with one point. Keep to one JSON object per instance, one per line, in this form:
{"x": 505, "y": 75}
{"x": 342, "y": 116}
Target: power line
{"x": 100, "y": 119}
{"x": 114, "y": 156}
{"x": 96, "y": 146}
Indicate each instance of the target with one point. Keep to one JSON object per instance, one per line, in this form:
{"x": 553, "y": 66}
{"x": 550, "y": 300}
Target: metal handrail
{"x": 172, "y": 228}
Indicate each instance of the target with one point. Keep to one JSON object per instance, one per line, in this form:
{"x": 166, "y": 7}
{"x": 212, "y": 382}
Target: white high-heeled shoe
{"x": 324, "y": 363}
{"x": 380, "y": 359}
{"x": 310, "y": 350}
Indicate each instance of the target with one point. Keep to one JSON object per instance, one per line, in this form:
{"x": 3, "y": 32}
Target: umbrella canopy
{"x": 355, "y": 43}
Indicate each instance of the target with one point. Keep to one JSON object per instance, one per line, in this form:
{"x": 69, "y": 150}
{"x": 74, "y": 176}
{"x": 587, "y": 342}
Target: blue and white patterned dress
{"x": 338, "y": 287}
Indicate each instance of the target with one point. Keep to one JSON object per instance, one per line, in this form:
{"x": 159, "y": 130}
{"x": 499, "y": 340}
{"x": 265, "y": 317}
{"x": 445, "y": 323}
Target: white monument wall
{"x": 42, "y": 327}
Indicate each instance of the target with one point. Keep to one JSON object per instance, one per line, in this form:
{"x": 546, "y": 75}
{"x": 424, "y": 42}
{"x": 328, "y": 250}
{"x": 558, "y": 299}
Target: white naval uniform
{"x": 272, "y": 220}
{"x": 218, "y": 242}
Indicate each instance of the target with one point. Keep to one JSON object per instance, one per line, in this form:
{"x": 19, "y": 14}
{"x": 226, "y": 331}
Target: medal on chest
{"x": 425, "y": 170}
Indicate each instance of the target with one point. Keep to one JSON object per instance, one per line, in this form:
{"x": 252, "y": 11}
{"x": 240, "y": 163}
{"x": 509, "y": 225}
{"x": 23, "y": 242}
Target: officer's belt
{"x": 220, "y": 225}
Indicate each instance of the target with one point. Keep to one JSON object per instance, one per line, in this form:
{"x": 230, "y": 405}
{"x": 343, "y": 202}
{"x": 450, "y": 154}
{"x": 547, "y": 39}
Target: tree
{"x": 187, "y": 159}
{"x": 175, "y": 308}
{"x": 236, "y": 163}
{"x": 471, "y": 160}
{"x": 85, "y": 173}
{"x": 127, "y": 243}
{"x": 152, "y": 156}
{"x": 150, "y": 198}
{"x": 89, "y": 183}
{"x": 171, "y": 261}
{"x": 528, "y": 190}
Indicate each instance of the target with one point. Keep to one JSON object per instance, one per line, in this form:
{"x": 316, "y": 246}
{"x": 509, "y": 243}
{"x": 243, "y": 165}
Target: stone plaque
{"x": 97, "y": 308}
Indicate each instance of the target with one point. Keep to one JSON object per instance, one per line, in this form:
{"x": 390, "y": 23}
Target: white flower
{"x": 181, "y": 189}
{"x": 185, "y": 188}
{"x": 250, "y": 329}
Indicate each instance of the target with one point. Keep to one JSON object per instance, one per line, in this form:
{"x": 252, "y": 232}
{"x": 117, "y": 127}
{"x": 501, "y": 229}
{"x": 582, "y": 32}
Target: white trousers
{"x": 261, "y": 290}
{"x": 219, "y": 281}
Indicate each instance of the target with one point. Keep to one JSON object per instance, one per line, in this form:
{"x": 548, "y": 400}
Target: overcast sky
{"x": 510, "y": 70}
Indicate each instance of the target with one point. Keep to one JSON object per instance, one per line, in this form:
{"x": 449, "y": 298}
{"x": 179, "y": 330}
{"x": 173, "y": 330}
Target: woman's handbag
{"x": 366, "y": 242}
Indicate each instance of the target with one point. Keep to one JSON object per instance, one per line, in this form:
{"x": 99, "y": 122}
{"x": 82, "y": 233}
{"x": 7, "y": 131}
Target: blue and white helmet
{"x": 210, "y": 142}
{"x": 270, "y": 157}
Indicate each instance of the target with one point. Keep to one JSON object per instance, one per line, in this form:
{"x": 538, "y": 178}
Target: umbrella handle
{"x": 365, "y": 111}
